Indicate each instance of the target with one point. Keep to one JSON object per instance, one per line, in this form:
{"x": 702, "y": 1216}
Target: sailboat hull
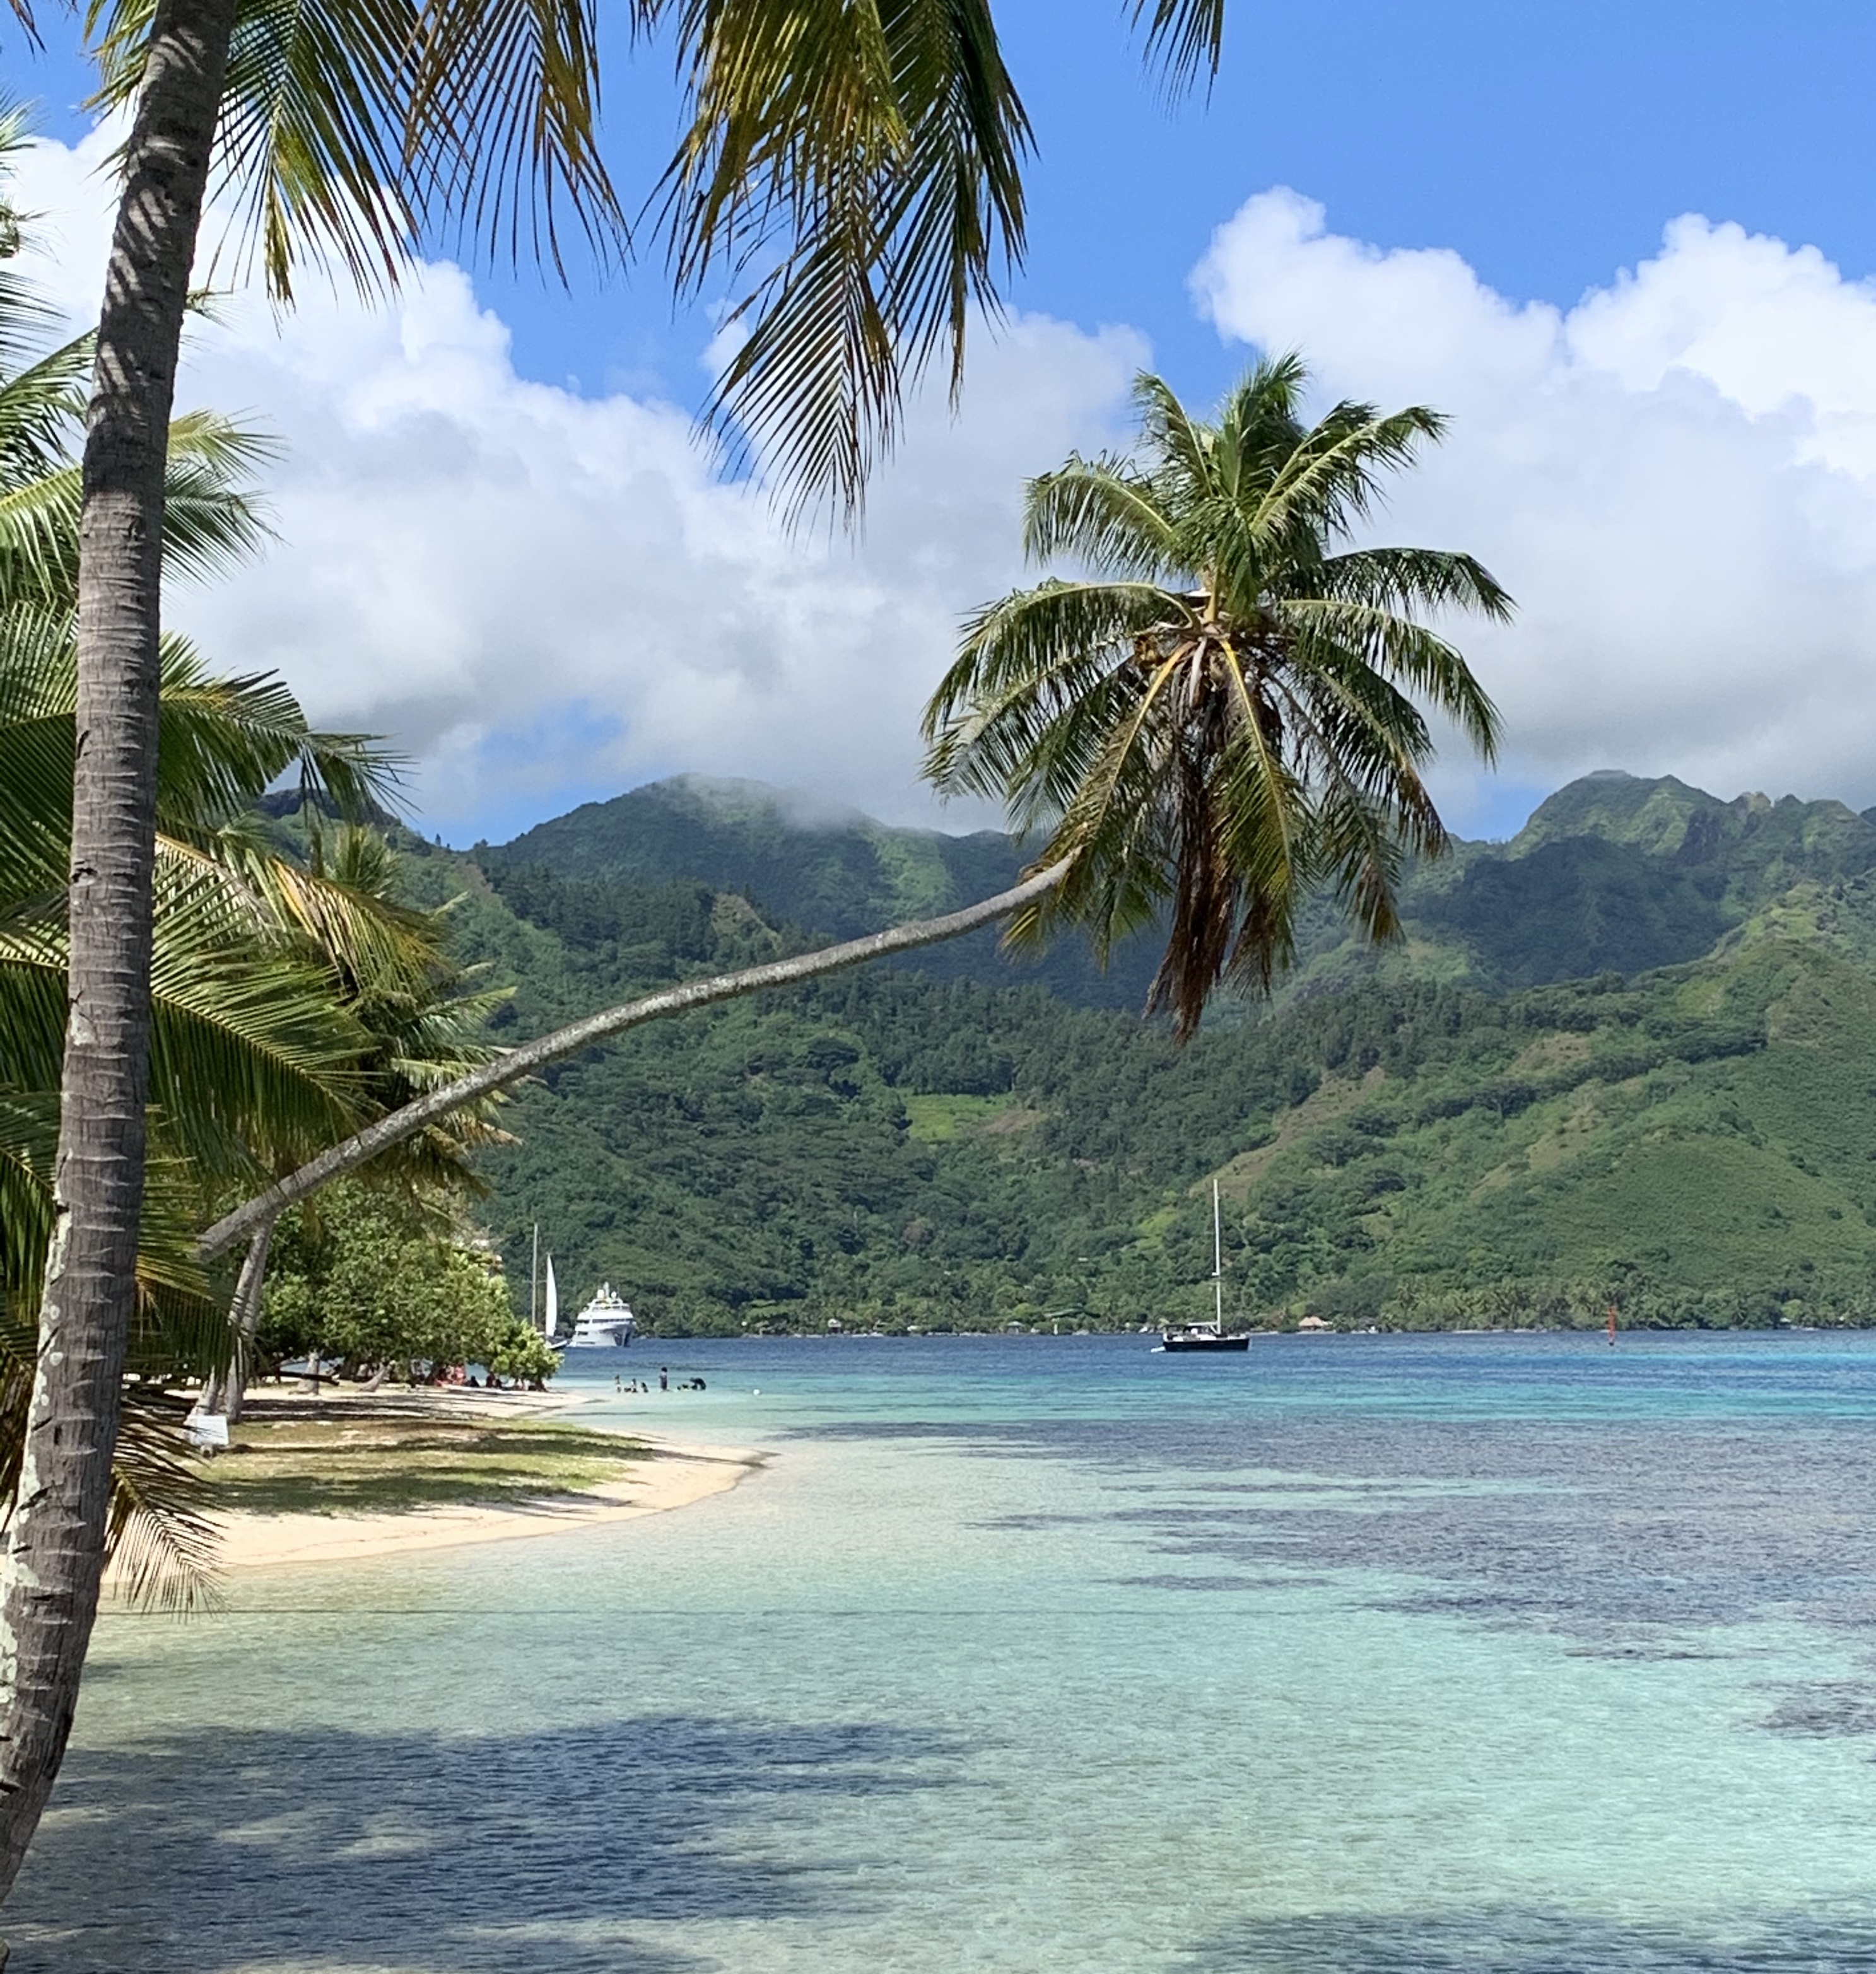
{"x": 1183, "y": 1338}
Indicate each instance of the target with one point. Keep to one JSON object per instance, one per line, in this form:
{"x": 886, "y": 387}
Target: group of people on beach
{"x": 635, "y": 1386}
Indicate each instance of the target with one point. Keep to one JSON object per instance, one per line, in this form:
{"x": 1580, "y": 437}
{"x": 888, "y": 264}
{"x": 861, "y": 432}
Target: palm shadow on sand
{"x": 562, "y": 1852}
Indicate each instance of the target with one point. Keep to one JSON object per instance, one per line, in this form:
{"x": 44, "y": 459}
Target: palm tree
{"x": 258, "y": 1060}
{"x": 252, "y": 1055}
{"x": 1224, "y": 722}
{"x": 1221, "y": 718}
{"x": 424, "y": 1018}
{"x": 853, "y": 164}
{"x": 255, "y": 1059}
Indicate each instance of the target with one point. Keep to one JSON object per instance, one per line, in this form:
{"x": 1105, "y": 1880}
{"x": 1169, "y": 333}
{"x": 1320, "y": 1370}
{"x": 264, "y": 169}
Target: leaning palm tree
{"x": 1220, "y": 718}
{"x": 1223, "y": 722}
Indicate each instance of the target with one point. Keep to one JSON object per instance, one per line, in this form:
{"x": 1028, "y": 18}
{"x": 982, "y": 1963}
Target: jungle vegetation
{"x": 1492, "y": 1120}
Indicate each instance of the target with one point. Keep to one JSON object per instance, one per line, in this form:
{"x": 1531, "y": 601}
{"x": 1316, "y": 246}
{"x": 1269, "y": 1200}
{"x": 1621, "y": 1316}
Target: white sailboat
{"x": 1207, "y": 1336}
{"x": 550, "y": 1328}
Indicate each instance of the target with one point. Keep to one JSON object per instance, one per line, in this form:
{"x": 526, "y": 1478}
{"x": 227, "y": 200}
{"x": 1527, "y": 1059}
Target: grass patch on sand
{"x": 353, "y": 1466}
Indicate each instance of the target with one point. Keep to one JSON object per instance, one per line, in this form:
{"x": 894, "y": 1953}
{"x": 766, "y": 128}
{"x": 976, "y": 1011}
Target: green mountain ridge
{"x": 836, "y": 874}
{"x": 1612, "y": 871}
{"x": 1629, "y": 1055}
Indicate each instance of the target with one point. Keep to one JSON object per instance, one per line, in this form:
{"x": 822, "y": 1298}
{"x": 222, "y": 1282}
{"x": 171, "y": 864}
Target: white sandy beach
{"x": 675, "y": 1474}
{"x": 675, "y": 1478}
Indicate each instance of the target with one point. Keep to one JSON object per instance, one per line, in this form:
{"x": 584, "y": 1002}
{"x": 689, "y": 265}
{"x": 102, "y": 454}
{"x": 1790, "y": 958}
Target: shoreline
{"x": 672, "y": 1473}
{"x": 677, "y": 1475}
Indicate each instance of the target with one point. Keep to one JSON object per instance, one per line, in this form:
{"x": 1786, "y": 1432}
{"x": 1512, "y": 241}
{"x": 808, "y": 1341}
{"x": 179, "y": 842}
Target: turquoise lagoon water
{"x": 1363, "y": 1655}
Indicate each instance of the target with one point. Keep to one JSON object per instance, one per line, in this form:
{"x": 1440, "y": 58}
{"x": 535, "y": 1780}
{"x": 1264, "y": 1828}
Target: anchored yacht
{"x": 606, "y": 1323}
{"x": 1178, "y": 1336}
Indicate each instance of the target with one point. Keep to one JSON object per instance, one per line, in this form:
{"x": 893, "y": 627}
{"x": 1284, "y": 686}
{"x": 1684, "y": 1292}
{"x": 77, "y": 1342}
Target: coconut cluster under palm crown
{"x": 1225, "y": 714}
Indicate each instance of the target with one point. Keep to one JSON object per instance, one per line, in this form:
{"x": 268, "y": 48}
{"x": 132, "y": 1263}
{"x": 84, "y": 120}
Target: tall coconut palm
{"x": 256, "y": 1059}
{"x": 1220, "y": 718}
{"x": 246, "y": 1032}
{"x": 853, "y": 164}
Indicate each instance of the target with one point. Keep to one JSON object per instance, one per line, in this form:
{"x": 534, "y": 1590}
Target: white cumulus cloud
{"x": 1676, "y": 477}
{"x": 543, "y": 598}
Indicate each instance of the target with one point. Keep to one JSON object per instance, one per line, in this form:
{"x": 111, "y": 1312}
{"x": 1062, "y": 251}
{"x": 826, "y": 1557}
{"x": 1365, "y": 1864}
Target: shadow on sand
{"x": 556, "y": 1853}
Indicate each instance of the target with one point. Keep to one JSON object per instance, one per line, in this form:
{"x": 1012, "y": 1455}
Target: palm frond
{"x": 1178, "y": 445}
{"x": 1024, "y": 663}
{"x": 28, "y": 1141}
{"x": 501, "y": 124}
{"x": 163, "y": 1538}
{"x": 312, "y": 149}
{"x": 311, "y": 139}
{"x": 26, "y": 316}
{"x": 349, "y": 125}
{"x": 858, "y": 163}
{"x": 1104, "y": 513}
{"x": 1337, "y": 474}
{"x": 41, "y": 403}
{"x": 249, "y": 1056}
{"x": 212, "y": 519}
{"x": 225, "y": 740}
{"x": 1401, "y": 650}
{"x": 36, "y": 689}
{"x": 1186, "y": 37}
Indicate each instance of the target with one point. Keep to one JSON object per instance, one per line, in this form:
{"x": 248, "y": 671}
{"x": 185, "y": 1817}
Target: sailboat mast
{"x": 1218, "y": 1259}
{"x": 534, "y": 1278}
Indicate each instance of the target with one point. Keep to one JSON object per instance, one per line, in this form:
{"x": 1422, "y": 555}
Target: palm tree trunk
{"x": 523, "y": 1062}
{"x": 247, "y": 1313}
{"x": 54, "y": 1563}
{"x": 225, "y": 1392}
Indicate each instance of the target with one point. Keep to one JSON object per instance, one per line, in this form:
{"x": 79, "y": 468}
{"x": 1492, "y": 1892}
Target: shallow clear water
{"x": 1361, "y": 1655}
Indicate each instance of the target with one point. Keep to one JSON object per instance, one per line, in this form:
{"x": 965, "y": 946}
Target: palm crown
{"x": 1223, "y": 717}
{"x": 850, "y": 170}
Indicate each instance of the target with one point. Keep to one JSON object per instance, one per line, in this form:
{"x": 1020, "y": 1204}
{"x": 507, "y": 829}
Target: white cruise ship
{"x": 606, "y": 1323}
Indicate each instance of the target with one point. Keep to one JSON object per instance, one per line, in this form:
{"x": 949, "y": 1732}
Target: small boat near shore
{"x": 1178, "y": 1338}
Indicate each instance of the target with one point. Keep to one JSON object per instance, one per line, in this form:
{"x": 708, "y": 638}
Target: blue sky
{"x": 1547, "y": 146}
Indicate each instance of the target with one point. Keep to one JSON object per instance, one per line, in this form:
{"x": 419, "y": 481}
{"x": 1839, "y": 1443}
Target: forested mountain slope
{"x": 1611, "y": 872}
{"x": 1630, "y": 1055}
{"x": 834, "y": 874}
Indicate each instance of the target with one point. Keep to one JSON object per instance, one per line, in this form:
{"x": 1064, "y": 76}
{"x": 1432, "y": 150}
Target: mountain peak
{"x": 729, "y": 799}
{"x": 1654, "y": 813}
{"x": 1663, "y": 816}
